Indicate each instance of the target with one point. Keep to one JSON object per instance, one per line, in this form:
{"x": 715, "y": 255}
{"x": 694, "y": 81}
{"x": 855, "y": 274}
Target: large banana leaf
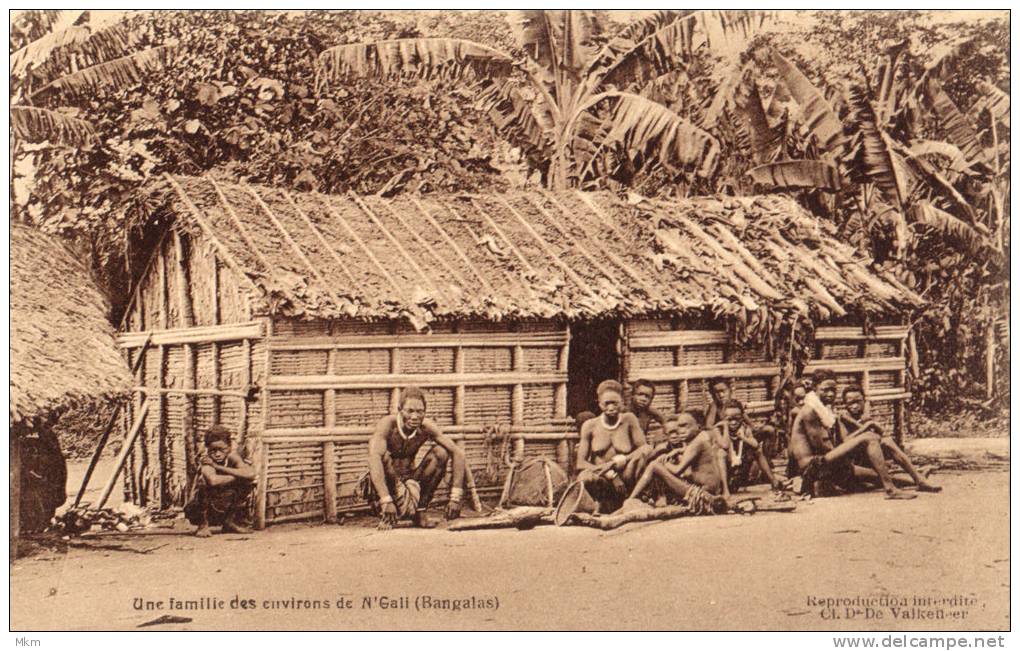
{"x": 818, "y": 116}
{"x": 644, "y": 130}
{"x": 666, "y": 42}
{"x": 973, "y": 239}
{"x": 996, "y": 101}
{"x": 99, "y": 45}
{"x": 118, "y": 73}
{"x": 813, "y": 174}
{"x": 38, "y": 51}
{"x": 765, "y": 140}
{"x": 422, "y": 57}
{"x": 45, "y": 21}
{"x": 38, "y": 125}
{"x": 557, "y": 39}
{"x": 512, "y": 111}
{"x": 879, "y": 163}
{"x": 961, "y": 133}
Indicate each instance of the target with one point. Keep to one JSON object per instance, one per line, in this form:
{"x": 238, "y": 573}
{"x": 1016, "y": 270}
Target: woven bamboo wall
{"x": 680, "y": 361}
{"x": 204, "y": 355}
{"x": 498, "y": 389}
{"x": 877, "y": 363}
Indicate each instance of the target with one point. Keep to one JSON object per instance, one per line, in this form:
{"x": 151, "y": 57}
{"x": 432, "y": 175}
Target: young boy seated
{"x": 851, "y": 423}
{"x": 221, "y": 489}
{"x": 745, "y": 450}
{"x": 688, "y": 468}
{"x": 721, "y": 393}
{"x": 641, "y": 396}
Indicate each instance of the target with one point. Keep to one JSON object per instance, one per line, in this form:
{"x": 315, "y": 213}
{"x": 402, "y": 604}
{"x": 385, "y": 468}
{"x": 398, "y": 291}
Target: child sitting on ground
{"x": 221, "y": 489}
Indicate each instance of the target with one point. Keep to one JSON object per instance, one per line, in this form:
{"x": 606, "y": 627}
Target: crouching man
{"x": 397, "y": 488}
{"x": 221, "y": 490}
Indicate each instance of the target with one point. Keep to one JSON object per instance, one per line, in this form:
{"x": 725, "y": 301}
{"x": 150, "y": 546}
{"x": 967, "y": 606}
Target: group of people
{"x": 705, "y": 455}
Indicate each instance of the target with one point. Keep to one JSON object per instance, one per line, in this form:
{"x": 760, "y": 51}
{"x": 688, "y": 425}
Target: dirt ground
{"x": 945, "y": 556}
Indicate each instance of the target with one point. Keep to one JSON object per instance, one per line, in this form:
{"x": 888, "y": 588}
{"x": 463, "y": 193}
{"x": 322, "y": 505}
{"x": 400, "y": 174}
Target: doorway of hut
{"x": 594, "y": 357}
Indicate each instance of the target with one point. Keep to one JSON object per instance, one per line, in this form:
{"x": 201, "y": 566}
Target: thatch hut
{"x": 62, "y": 351}
{"x": 293, "y": 318}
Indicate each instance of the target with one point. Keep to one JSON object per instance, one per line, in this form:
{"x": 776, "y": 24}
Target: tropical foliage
{"x": 577, "y": 99}
{"x": 893, "y": 125}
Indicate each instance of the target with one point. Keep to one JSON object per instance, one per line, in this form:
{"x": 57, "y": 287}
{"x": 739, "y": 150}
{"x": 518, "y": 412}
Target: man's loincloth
{"x": 406, "y": 494}
{"x": 839, "y": 472}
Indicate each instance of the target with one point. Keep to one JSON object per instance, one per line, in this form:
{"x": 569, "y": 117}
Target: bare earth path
{"x": 730, "y": 572}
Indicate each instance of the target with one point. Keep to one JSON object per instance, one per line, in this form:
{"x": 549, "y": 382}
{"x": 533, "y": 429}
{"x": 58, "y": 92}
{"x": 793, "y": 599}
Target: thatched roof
{"x": 529, "y": 254}
{"x": 62, "y": 347}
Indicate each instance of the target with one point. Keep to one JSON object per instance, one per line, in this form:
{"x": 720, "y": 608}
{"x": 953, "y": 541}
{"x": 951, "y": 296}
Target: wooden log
{"x": 607, "y": 522}
{"x": 217, "y": 381}
{"x": 866, "y": 388}
{"x": 855, "y": 332}
{"x": 915, "y": 367}
{"x": 459, "y": 393}
{"x": 329, "y": 481}
{"x": 472, "y": 339}
{"x": 194, "y": 335}
{"x": 518, "y": 517}
{"x": 191, "y": 392}
{"x": 395, "y": 381}
{"x": 125, "y": 449}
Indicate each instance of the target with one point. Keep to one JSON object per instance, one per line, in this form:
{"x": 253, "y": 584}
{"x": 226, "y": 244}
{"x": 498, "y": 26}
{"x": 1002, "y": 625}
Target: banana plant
{"x": 574, "y": 97}
{"x": 65, "y": 55}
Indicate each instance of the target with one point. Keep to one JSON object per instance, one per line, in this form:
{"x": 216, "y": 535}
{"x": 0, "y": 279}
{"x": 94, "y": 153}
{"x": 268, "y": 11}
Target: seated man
{"x": 688, "y": 468}
{"x": 821, "y": 460}
{"x": 642, "y": 394}
{"x": 220, "y": 493}
{"x": 744, "y": 449}
{"x": 612, "y": 452}
{"x": 398, "y": 488}
{"x": 851, "y": 423}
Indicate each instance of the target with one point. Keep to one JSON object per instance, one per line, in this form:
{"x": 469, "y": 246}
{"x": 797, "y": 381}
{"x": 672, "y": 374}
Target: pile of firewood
{"x": 82, "y": 519}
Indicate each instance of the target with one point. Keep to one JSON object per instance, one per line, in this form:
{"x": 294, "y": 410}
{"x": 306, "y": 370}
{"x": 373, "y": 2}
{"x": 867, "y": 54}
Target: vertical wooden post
{"x": 329, "y": 447}
{"x": 246, "y": 355}
{"x": 563, "y": 454}
{"x": 217, "y": 383}
{"x": 866, "y": 388}
{"x": 262, "y": 463}
{"x": 517, "y": 402}
{"x": 560, "y": 396}
{"x": 261, "y": 445}
{"x": 161, "y": 468}
{"x": 216, "y": 310}
{"x": 900, "y": 417}
{"x": 329, "y": 480}
{"x": 15, "y": 492}
{"x": 190, "y": 435}
{"x": 458, "y": 391}
{"x": 164, "y": 317}
{"x": 394, "y": 369}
